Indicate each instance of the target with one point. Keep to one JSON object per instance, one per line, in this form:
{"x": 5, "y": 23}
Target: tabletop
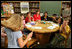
{"x": 43, "y": 27}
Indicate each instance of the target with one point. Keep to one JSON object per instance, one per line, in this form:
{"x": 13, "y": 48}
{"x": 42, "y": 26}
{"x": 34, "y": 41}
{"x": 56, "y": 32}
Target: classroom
{"x": 35, "y": 24}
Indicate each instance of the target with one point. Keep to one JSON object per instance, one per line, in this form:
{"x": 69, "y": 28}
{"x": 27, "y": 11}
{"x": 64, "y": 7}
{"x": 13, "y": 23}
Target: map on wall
{"x": 24, "y": 7}
{"x": 8, "y": 7}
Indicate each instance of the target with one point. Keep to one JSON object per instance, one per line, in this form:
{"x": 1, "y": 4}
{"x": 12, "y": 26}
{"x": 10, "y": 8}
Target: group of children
{"x": 14, "y": 26}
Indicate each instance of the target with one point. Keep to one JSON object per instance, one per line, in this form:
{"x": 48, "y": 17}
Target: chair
{"x": 65, "y": 42}
{"x": 31, "y": 43}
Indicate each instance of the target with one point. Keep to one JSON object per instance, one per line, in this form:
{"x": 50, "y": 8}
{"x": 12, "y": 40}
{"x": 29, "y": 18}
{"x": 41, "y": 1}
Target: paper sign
{"x": 24, "y": 7}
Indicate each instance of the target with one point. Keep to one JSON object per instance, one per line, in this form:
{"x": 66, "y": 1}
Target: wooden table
{"x": 42, "y": 34}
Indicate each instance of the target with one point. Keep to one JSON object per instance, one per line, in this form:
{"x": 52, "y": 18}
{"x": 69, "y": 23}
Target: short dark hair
{"x": 69, "y": 4}
{"x": 54, "y": 15}
{"x": 28, "y": 13}
{"x": 46, "y": 12}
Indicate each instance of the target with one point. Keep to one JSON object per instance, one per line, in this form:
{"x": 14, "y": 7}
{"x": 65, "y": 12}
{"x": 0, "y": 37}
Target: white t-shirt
{"x": 13, "y": 38}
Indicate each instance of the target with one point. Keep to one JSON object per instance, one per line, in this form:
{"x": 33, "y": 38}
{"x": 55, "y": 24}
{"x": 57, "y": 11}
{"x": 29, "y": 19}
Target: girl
{"x": 37, "y": 16}
{"x": 13, "y": 27}
{"x": 28, "y": 18}
{"x": 45, "y": 17}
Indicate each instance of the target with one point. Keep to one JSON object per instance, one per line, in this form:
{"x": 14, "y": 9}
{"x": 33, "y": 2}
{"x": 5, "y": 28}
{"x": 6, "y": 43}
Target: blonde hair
{"x": 14, "y": 23}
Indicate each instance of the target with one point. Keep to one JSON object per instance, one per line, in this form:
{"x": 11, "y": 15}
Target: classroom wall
{"x": 52, "y": 7}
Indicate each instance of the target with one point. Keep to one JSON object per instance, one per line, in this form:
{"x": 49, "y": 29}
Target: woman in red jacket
{"x": 36, "y": 16}
{"x": 28, "y": 18}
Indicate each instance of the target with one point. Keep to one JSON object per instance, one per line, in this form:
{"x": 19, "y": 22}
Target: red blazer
{"x": 27, "y": 19}
{"x": 36, "y": 18}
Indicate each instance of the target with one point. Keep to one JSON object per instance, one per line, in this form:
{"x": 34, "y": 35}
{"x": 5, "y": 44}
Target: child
{"x": 37, "y": 16}
{"x": 64, "y": 30}
{"x": 28, "y": 18}
{"x": 22, "y": 16}
{"x": 13, "y": 27}
{"x": 45, "y": 17}
{"x": 60, "y": 37}
{"x": 60, "y": 21}
{"x": 54, "y": 18}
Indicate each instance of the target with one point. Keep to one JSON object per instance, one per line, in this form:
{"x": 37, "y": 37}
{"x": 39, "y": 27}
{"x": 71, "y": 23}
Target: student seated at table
{"x": 13, "y": 27}
{"x": 22, "y": 16}
{"x": 28, "y": 18}
{"x": 37, "y": 16}
{"x": 60, "y": 21}
{"x": 45, "y": 17}
{"x": 54, "y": 18}
{"x": 59, "y": 37}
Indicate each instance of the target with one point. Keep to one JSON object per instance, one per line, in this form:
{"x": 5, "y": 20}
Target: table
{"x": 43, "y": 30}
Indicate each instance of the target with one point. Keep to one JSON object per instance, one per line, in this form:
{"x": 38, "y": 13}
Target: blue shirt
{"x": 13, "y": 38}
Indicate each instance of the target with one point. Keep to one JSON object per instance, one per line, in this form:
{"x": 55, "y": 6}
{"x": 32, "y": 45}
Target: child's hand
{"x": 2, "y": 29}
{"x": 3, "y": 34}
{"x": 30, "y": 35}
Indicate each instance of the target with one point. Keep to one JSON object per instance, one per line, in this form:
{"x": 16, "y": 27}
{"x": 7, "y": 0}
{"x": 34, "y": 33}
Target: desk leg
{"x": 43, "y": 38}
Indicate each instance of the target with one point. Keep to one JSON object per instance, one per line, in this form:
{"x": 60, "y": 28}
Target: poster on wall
{"x": 24, "y": 7}
{"x": 8, "y": 7}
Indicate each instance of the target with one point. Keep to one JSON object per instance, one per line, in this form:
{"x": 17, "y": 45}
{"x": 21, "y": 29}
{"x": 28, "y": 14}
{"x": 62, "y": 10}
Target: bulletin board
{"x": 8, "y": 7}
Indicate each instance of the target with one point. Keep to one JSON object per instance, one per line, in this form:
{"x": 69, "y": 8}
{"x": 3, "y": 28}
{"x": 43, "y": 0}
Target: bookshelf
{"x": 33, "y": 6}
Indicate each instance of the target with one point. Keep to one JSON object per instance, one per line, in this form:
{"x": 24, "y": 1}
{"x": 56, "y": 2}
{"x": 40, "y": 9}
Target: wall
{"x": 52, "y": 7}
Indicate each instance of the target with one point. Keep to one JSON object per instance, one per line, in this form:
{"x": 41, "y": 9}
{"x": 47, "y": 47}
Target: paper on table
{"x": 49, "y": 21}
{"x": 51, "y": 27}
{"x": 28, "y": 25}
{"x": 55, "y": 25}
{"x": 37, "y": 27}
{"x": 32, "y": 22}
